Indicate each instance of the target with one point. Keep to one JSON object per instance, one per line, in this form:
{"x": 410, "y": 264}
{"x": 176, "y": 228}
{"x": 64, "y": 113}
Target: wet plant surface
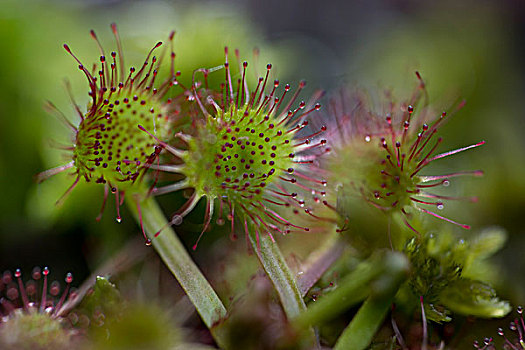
{"x": 174, "y": 159}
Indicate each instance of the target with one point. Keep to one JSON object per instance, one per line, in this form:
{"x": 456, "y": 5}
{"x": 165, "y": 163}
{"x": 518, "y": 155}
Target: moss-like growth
{"x": 442, "y": 275}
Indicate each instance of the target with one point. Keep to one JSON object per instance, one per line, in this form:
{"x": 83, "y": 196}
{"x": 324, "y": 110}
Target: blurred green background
{"x": 471, "y": 49}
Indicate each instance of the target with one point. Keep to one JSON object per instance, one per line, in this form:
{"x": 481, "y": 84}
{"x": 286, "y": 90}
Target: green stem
{"x": 277, "y": 270}
{"x": 177, "y": 259}
{"x": 279, "y": 273}
{"x": 359, "y": 333}
{"x": 353, "y": 288}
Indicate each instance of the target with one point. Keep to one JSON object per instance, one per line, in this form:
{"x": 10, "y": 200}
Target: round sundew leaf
{"x": 245, "y": 153}
{"x": 381, "y": 153}
{"x": 110, "y": 145}
{"x": 236, "y": 156}
{"x": 474, "y": 298}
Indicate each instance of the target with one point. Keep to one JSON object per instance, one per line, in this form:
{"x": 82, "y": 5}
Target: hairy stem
{"x": 177, "y": 259}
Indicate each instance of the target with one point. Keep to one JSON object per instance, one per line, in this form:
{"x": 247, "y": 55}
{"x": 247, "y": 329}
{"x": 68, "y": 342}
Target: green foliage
{"x": 482, "y": 247}
{"x": 452, "y": 275}
{"x": 442, "y": 274}
{"x": 474, "y": 298}
{"x": 375, "y": 277}
{"x": 103, "y": 300}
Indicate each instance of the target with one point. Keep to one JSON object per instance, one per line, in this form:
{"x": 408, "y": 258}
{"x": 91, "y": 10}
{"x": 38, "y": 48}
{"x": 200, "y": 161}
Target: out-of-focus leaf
{"x": 486, "y": 244}
{"x": 437, "y": 314}
{"x": 474, "y": 298}
{"x": 138, "y": 327}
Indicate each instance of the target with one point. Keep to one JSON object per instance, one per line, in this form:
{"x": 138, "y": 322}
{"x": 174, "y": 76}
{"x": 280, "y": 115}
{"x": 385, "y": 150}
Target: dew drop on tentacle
{"x": 408, "y": 141}
{"x": 176, "y": 219}
{"x": 108, "y": 148}
{"x": 240, "y": 151}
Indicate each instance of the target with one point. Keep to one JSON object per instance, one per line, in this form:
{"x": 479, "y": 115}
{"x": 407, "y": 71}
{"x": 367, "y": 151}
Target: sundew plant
{"x": 262, "y": 211}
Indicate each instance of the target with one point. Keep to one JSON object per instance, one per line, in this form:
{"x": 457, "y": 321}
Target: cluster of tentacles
{"x": 249, "y": 153}
{"x": 380, "y": 153}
